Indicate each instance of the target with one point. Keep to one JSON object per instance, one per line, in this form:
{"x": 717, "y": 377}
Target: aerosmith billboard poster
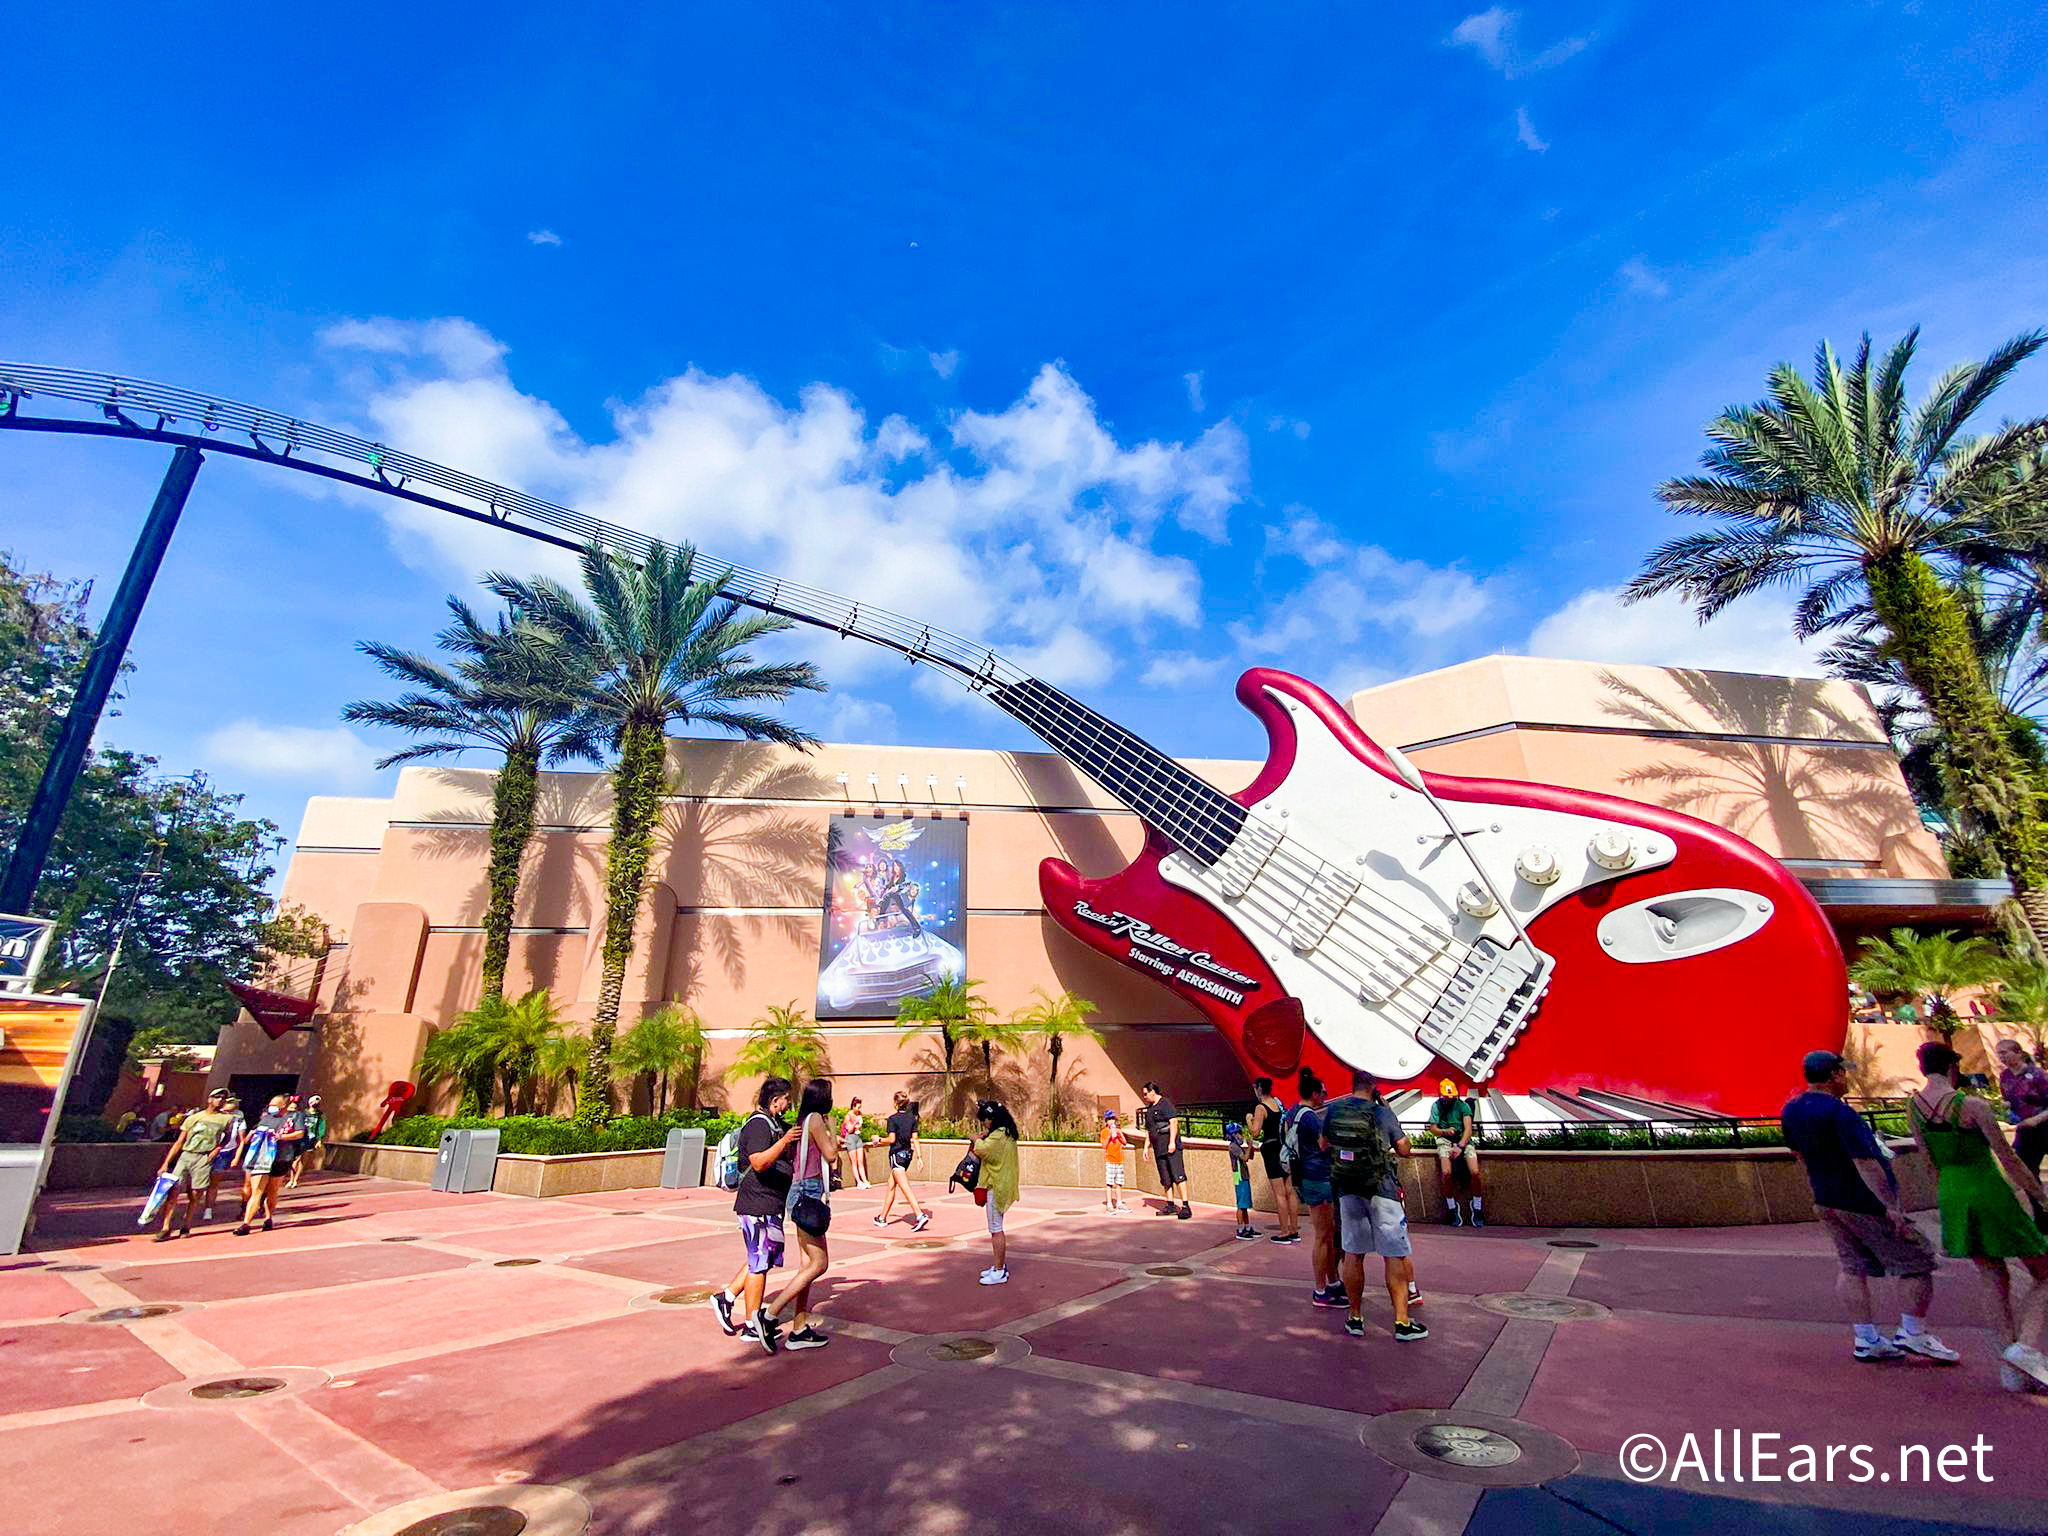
{"x": 895, "y": 913}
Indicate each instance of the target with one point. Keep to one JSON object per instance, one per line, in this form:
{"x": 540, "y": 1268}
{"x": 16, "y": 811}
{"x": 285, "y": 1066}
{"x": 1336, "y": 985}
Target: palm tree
{"x": 461, "y": 1053}
{"x": 510, "y": 1039}
{"x": 1057, "y": 1020}
{"x": 1933, "y": 966}
{"x": 668, "y": 1042}
{"x": 505, "y": 691}
{"x": 562, "y": 1059}
{"x": 954, "y": 1011}
{"x": 660, "y": 647}
{"x": 1837, "y": 490}
{"x": 2023, "y": 1000}
{"x": 783, "y": 1043}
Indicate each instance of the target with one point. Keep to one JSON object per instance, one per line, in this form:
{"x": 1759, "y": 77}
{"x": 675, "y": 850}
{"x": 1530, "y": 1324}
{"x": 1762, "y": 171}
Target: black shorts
{"x": 1172, "y": 1166}
{"x": 1269, "y": 1155}
{"x": 899, "y": 1157}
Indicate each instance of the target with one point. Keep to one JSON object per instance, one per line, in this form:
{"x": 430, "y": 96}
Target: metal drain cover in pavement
{"x": 73, "y": 1269}
{"x": 238, "y": 1386}
{"x": 1070, "y": 1213}
{"x": 954, "y": 1350}
{"x": 136, "y": 1314}
{"x": 514, "y": 1264}
{"x": 1466, "y": 1445}
{"x": 1569, "y": 1242}
{"x": 924, "y": 1242}
{"x": 1541, "y": 1309}
{"x": 683, "y": 1298}
{"x": 406, "y": 1239}
{"x": 1461, "y": 1446}
{"x": 1169, "y": 1271}
{"x": 479, "y": 1520}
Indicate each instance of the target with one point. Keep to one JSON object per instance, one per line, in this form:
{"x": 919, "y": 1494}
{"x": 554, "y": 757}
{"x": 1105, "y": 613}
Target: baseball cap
{"x": 1819, "y": 1066}
{"x": 1447, "y": 1089}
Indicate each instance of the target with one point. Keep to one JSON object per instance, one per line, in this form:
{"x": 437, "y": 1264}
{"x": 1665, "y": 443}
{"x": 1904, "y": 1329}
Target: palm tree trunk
{"x": 636, "y": 806}
{"x": 1932, "y": 641}
{"x": 511, "y": 830}
{"x": 1052, "y": 1087}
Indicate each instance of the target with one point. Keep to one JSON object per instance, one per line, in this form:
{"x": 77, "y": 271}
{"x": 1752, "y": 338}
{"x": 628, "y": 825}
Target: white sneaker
{"x": 2013, "y": 1379}
{"x": 1925, "y": 1344}
{"x": 2028, "y": 1360}
{"x": 1879, "y": 1349}
{"x": 995, "y": 1277}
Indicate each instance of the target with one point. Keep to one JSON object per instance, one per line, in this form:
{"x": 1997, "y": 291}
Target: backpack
{"x": 1290, "y": 1138}
{"x": 1360, "y": 1157}
{"x": 728, "y": 1164}
{"x": 966, "y": 1176}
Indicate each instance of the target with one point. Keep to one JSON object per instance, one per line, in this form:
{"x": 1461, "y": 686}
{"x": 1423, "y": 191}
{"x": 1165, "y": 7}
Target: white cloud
{"x": 944, "y": 363}
{"x": 1001, "y": 525}
{"x": 849, "y": 717}
{"x": 333, "y": 754}
{"x": 543, "y": 237}
{"x": 1643, "y": 278}
{"x": 1287, "y": 424}
{"x": 1493, "y": 35}
{"x": 1755, "y": 635}
{"x": 1194, "y": 384}
{"x": 1177, "y": 669}
{"x": 1363, "y": 591}
{"x": 1525, "y": 130}
{"x": 1305, "y": 537}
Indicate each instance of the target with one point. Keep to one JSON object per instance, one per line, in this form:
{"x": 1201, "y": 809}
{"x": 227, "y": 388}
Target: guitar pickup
{"x": 1245, "y": 857}
{"x": 1486, "y": 1005}
{"x": 1321, "y": 904}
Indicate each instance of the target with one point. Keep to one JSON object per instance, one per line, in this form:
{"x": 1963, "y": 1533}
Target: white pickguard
{"x": 1337, "y": 816}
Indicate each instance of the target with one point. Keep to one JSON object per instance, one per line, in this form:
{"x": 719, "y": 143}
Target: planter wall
{"x": 415, "y": 1165}
{"x": 105, "y": 1164}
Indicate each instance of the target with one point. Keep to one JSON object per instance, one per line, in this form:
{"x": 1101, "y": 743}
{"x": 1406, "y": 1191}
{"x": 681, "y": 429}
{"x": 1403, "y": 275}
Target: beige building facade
{"x": 732, "y": 921}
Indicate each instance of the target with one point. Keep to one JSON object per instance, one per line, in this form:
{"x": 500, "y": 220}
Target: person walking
{"x": 1856, "y": 1196}
{"x": 226, "y": 1154}
{"x": 763, "y": 1195}
{"x": 1115, "y": 1149}
{"x": 267, "y": 1153}
{"x": 1454, "y": 1121}
{"x": 852, "y": 1150}
{"x": 1241, "y": 1180}
{"x": 1363, "y": 1139}
{"x": 996, "y": 1146}
{"x": 1169, "y": 1158}
{"x": 190, "y": 1161}
{"x": 1982, "y": 1220}
{"x": 1264, "y": 1129}
{"x": 810, "y": 1212}
{"x": 314, "y": 1122}
{"x": 902, "y": 1129}
{"x": 1303, "y": 1139}
{"x": 2024, "y": 1087}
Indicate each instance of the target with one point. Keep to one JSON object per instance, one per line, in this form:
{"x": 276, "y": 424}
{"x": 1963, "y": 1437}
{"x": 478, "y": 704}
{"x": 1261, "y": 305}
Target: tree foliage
{"x": 783, "y": 1042}
{"x": 665, "y": 1045}
{"x": 1926, "y": 968}
{"x": 1056, "y": 1020}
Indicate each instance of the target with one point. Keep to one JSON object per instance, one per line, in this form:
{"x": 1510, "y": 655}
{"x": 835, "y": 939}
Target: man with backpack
{"x": 766, "y": 1165}
{"x": 1363, "y": 1138}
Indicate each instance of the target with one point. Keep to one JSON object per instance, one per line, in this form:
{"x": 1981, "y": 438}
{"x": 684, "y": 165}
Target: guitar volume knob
{"x": 1537, "y": 865}
{"x": 1611, "y": 849}
{"x": 1474, "y": 900}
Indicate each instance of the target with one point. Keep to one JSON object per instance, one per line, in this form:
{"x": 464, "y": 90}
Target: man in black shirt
{"x": 1162, "y": 1134}
{"x": 766, "y": 1164}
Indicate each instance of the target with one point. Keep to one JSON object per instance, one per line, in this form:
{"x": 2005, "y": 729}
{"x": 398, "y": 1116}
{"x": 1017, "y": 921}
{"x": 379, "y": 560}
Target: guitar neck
{"x": 1181, "y": 807}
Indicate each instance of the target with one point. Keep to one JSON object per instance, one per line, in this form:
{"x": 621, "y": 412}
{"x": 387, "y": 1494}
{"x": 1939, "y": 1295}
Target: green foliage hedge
{"x": 545, "y": 1136}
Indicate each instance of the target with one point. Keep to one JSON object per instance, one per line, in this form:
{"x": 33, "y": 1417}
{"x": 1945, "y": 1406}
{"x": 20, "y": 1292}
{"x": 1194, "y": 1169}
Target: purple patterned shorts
{"x": 763, "y": 1237}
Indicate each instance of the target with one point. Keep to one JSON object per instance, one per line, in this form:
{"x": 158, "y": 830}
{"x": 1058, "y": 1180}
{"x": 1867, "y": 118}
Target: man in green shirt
{"x": 190, "y": 1160}
{"x": 1454, "y": 1120}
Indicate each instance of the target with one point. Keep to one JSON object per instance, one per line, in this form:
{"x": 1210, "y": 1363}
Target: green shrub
{"x": 546, "y": 1136}
{"x": 87, "y": 1128}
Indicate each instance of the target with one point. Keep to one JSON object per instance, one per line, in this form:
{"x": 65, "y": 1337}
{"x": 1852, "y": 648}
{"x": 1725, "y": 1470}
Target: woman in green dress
{"x": 1982, "y": 1220}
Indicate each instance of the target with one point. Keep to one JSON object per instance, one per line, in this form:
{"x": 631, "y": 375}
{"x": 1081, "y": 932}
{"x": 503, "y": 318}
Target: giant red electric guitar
{"x": 1346, "y": 910}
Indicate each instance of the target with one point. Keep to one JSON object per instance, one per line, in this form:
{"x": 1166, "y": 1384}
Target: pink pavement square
{"x": 56, "y": 1365}
{"x": 28, "y": 1295}
{"x": 223, "y": 1275}
{"x": 587, "y": 1397}
{"x": 939, "y": 1291}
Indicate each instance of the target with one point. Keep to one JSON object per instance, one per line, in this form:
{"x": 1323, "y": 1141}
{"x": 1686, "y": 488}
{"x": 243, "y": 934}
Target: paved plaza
{"x": 392, "y": 1352}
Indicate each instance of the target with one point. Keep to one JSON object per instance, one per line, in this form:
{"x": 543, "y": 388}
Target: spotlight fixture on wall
{"x": 931, "y": 786}
{"x": 874, "y": 786}
{"x": 902, "y": 786}
{"x": 960, "y": 785}
{"x": 842, "y": 781}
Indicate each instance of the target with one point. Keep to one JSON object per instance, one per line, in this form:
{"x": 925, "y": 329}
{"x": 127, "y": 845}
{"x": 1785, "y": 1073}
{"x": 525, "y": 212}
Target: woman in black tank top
{"x": 1265, "y": 1128}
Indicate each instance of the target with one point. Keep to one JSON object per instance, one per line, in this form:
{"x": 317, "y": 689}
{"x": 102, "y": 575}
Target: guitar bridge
{"x": 1486, "y": 1005}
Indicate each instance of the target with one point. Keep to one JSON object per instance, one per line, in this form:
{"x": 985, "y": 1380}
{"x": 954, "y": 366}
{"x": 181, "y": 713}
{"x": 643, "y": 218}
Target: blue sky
{"x": 1146, "y": 342}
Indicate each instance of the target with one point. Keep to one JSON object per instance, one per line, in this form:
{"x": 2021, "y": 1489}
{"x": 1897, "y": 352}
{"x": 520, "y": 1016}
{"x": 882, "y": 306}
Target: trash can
{"x": 682, "y": 1158}
{"x": 467, "y": 1161}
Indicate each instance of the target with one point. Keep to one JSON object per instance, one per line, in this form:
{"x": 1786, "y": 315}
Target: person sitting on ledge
{"x": 1454, "y": 1120}
{"x": 1856, "y": 1197}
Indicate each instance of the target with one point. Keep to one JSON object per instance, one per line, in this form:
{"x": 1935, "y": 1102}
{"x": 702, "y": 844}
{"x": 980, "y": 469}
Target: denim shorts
{"x": 1316, "y": 1191}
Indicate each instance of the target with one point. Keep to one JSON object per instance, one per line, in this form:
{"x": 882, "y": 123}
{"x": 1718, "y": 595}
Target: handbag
{"x": 165, "y": 1186}
{"x": 812, "y": 1213}
{"x": 967, "y": 1175}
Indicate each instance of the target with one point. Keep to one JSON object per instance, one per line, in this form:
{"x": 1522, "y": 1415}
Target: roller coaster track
{"x": 141, "y": 411}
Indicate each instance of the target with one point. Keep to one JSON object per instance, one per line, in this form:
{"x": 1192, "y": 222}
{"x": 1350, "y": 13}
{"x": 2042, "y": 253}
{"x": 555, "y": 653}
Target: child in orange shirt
{"x": 1113, "y": 1144}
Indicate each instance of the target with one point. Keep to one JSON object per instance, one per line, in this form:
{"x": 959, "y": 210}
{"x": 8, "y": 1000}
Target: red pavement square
{"x": 975, "y": 1453}
{"x": 587, "y": 1397}
{"x": 221, "y": 1275}
{"x": 435, "y": 1311}
{"x": 1442, "y": 1263}
{"x": 192, "y": 1471}
{"x": 30, "y": 1294}
{"x": 1600, "y": 1383}
{"x": 1765, "y": 1286}
{"x": 939, "y": 1291}
{"x": 54, "y": 1365}
{"x": 1261, "y": 1339}
{"x": 710, "y": 1259}
{"x": 1135, "y": 1239}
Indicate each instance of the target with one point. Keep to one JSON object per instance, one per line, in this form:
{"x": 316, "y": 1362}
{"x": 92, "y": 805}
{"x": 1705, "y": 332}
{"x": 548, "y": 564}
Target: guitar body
{"x": 1695, "y": 975}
